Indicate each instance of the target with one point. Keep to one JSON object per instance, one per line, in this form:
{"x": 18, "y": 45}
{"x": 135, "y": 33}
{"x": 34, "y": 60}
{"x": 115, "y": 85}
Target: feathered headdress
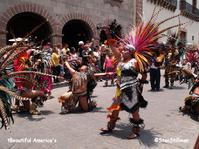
{"x": 7, "y": 56}
{"x": 192, "y": 56}
{"x": 143, "y": 37}
{"x": 17, "y": 54}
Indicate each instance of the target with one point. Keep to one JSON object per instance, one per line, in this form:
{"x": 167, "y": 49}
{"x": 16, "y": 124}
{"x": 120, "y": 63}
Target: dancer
{"x": 129, "y": 98}
{"x": 134, "y": 54}
{"x": 192, "y": 102}
{"x": 171, "y": 63}
{"x": 19, "y": 84}
{"x": 79, "y": 92}
{"x": 109, "y": 68}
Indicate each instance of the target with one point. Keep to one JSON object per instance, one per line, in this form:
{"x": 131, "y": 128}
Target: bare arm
{"x": 71, "y": 70}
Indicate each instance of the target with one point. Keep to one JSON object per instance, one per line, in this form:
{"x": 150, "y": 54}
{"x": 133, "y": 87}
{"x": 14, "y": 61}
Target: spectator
{"x": 109, "y": 68}
{"x": 65, "y": 50}
{"x": 81, "y": 48}
{"x": 102, "y": 55}
{"x": 56, "y": 67}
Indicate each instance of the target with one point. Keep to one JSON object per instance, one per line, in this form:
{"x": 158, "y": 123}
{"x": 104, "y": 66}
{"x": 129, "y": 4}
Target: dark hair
{"x": 72, "y": 49}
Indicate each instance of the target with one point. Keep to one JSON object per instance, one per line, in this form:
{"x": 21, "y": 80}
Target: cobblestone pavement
{"x": 165, "y": 128}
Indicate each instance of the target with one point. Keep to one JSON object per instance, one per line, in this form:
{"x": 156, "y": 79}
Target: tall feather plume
{"x": 7, "y": 55}
{"x": 27, "y": 75}
{"x": 14, "y": 54}
{"x": 8, "y": 50}
{"x": 3, "y": 115}
{"x": 15, "y": 74}
{"x": 144, "y": 36}
{"x": 13, "y": 94}
{"x": 4, "y": 51}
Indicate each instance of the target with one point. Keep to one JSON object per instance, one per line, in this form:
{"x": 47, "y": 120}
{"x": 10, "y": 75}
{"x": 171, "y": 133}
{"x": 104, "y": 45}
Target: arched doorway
{"x": 75, "y": 31}
{"x": 22, "y": 23}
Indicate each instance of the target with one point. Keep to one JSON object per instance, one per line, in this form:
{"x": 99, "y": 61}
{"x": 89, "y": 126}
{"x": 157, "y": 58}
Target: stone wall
{"x": 59, "y": 12}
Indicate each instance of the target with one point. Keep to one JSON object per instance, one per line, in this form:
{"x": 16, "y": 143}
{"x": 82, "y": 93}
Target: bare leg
{"x": 136, "y": 115}
{"x": 33, "y": 94}
{"x": 196, "y": 146}
{"x": 136, "y": 121}
{"x": 106, "y": 81}
{"x": 111, "y": 124}
{"x": 83, "y": 101}
{"x": 112, "y": 79}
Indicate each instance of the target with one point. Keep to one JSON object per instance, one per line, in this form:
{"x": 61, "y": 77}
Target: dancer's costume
{"x": 82, "y": 85}
{"x": 170, "y": 68}
{"x": 78, "y": 89}
{"x": 7, "y": 55}
{"x": 28, "y": 83}
{"x": 192, "y": 101}
{"x": 192, "y": 57}
{"x": 141, "y": 40}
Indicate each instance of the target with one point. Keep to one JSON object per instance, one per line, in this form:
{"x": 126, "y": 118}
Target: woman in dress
{"x": 128, "y": 95}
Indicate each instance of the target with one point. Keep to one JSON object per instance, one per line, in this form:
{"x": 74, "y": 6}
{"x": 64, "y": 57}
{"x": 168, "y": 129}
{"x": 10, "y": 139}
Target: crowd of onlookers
{"x": 51, "y": 59}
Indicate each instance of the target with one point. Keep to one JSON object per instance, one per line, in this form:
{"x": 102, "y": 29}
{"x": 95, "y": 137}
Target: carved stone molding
{"x": 168, "y": 4}
{"x": 114, "y": 2}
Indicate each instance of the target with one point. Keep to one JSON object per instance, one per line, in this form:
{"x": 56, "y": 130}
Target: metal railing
{"x": 189, "y": 8}
{"x": 170, "y": 4}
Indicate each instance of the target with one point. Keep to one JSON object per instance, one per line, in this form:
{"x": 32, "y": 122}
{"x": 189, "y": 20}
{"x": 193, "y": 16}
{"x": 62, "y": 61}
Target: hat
{"x": 80, "y": 43}
{"x": 103, "y": 45}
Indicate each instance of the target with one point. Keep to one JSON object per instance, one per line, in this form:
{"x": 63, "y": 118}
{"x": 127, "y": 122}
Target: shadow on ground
{"x": 99, "y": 109}
{"x": 46, "y": 112}
{"x": 78, "y": 110}
{"x": 33, "y": 117}
{"x": 147, "y": 137}
{"x": 176, "y": 88}
{"x": 30, "y": 117}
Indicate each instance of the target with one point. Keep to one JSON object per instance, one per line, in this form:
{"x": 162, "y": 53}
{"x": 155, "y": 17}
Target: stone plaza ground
{"x": 165, "y": 128}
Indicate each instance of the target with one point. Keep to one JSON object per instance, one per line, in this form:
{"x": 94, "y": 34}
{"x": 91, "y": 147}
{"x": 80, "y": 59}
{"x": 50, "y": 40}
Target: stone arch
{"x": 25, "y": 7}
{"x": 78, "y": 16}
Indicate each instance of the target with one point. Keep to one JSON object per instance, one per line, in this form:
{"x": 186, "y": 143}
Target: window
{"x": 183, "y": 36}
{"x": 192, "y": 38}
{"x": 194, "y": 3}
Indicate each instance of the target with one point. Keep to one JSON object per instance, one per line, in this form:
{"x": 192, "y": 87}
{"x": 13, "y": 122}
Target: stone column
{"x": 56, "y": 38}
{"x": 57, "y": 35}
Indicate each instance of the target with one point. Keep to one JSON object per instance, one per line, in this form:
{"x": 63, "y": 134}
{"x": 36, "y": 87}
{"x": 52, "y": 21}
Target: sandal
{"x": 64, "y": 110}
{"x": 133, "y": 136}
{"x": 105, "y": 131}
{"x": 35, "y": 112}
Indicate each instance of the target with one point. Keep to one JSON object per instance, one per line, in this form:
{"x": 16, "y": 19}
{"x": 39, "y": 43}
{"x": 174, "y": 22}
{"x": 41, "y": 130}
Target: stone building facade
{"x": 62, "y": 16}
{"x": 188, "y": 11}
